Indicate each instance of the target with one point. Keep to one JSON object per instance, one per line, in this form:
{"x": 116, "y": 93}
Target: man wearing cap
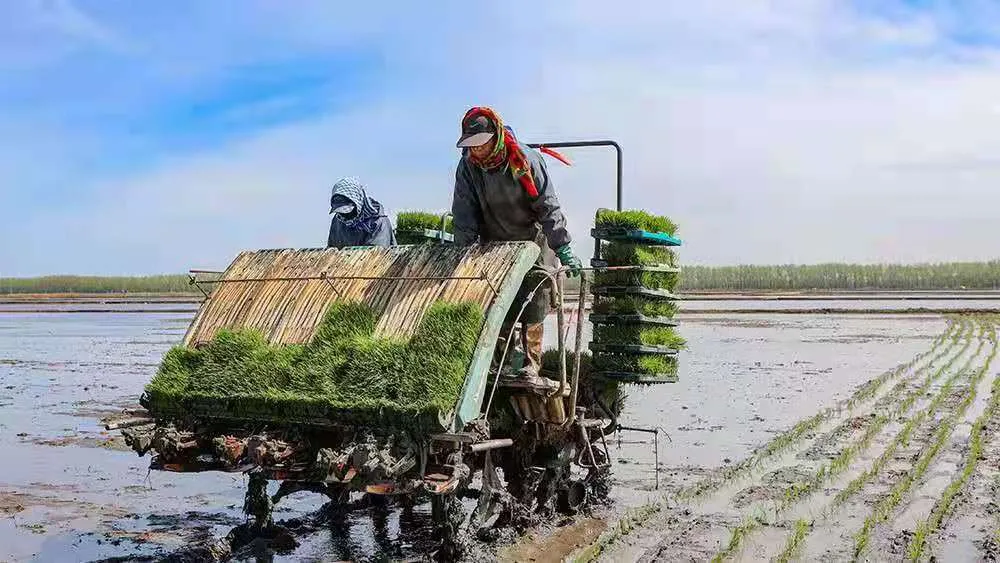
{"x": 358, "y": 220}
{"x": 503, "y": 193}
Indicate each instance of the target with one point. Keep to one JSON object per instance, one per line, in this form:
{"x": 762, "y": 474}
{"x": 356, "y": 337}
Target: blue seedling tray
{"x": 637, "y": 236}
{"x": 643, "y": 378}
{"x": 612, "y": 291}
{"x": 631, "y": 319}
{"x": 602, "y": 266}
{"x": 632, "y": 349}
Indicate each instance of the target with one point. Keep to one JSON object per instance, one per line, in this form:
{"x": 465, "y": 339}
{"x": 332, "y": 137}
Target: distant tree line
{"x": 97, "y": 284}
{"x": 954, "y": 275}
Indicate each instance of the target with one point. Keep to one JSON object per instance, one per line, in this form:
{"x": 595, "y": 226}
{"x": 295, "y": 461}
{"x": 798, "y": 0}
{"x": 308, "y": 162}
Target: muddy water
{"x": 744, "y": 379}
{"x": 69, "y": 491}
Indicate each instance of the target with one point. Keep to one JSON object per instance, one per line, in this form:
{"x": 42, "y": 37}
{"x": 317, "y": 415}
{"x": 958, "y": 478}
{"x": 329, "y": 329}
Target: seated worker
{"x": 503, "y": 193}
{"x": 358, "y": 220}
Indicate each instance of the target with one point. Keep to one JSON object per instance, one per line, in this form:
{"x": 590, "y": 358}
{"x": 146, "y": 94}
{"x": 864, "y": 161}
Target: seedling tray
{"x": 632, "y": 319}
{"x": 428, "y": 234}
{"x": 602, "y": 265}
{"x": 634, "y": 235}
{"x": 643, "y": 378}
{"x": 612, "y": 291}
{"x": 632, "y": 349}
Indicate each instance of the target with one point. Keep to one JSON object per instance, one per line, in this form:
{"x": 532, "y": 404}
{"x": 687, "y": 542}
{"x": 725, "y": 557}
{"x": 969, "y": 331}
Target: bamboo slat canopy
{"x": 285, "y": 293}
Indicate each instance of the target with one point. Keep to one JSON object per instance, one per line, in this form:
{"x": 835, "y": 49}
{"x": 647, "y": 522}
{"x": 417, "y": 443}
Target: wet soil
{"x": 796, "y": 502}
{"x": 70, "y": 494}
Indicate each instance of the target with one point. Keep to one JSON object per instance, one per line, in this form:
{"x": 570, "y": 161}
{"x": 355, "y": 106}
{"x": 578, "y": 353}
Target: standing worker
{"x": 358, "y": 220}
{"x": 503, "y": 193}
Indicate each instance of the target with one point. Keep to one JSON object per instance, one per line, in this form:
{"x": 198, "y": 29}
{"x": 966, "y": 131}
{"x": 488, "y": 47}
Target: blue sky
{"x": 154, "y": 137}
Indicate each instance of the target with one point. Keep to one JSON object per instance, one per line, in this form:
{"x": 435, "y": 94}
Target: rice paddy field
{"x": 832, "y": 428}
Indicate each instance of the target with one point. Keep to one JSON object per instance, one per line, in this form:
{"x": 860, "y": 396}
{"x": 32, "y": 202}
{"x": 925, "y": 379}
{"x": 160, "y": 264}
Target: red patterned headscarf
{"x": 506, "y": 152}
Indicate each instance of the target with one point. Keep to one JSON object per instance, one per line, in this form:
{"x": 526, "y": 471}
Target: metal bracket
{"x": 326, "y": 277}
{"x": 656, "y": 445}
{"x": 194, "y": 281}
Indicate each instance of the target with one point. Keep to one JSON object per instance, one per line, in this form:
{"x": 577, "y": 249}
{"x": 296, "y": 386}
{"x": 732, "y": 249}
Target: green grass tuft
{"x": 646, "y": 364}
{"x": 639, "y": 334}
{"x": 628, "y": 254}
{"x": 631, "y": 305}
{"x": 410, "y": 226}
{"x": 344, "y": 372}
{"x": 636, "y": 219}
{"x": 632, "y": 278}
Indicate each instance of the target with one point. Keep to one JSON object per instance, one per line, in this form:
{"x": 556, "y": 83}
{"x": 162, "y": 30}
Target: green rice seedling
{"x": 420, "y": 220}
{"x": 647, "y": 364}
{"x": 629, "y": 254}
{"x": 165, "y": 391}
{"x": 903, "y": 436}
{"x": 439, "y": 354}
{"x": 846, "y": 456}
{"x": 633, "y": 278}
{"x": 649, "y": 335}
{"x": 631, "y": 305}
{"x": 345, "y": 369}
{"x": 806, "y": 426}
{"x": 794, "y": 542}
{"x": 633, "y": 519}
{"x": 972, "y": 456}
{"x": 952, "y": 334}
{"x": 410, "y": 226}
{"x": 736, "y": 538}
{"x": 636, "y": 219}
{"x": 342, "y": 322}
{"x": 889, "y": 502}
{"x": 373, "y": 371}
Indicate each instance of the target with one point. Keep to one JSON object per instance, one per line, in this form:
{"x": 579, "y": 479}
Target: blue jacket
{"x": 341, "y": 235}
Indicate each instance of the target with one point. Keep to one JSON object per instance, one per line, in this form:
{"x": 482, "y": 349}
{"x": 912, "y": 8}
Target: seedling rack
{"x": 608, "y": 351}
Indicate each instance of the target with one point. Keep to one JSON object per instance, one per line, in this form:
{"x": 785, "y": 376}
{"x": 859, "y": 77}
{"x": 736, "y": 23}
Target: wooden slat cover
{"x": 289, "y": 311}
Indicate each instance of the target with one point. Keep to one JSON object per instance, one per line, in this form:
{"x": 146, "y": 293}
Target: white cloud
{"x": 771, "y": 131}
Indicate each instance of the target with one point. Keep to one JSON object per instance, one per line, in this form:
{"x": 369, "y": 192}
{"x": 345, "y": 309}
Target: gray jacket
{"x": 341, "y": 235}
{"x": 489, "y": 206}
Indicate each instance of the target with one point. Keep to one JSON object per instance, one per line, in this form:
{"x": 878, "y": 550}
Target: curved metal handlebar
{"x": 602, "y": 143}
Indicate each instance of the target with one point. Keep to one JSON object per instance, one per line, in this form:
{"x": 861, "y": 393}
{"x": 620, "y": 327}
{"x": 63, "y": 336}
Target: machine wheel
{"x": 446, "y": 511}
{"x": 572, "y": 497}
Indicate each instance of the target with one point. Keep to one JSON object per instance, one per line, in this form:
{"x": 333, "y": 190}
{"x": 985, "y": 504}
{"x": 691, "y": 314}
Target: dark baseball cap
{"x": 477, "y": 129}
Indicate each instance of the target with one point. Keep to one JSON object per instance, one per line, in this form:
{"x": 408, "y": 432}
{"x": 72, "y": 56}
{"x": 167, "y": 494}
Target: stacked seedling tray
{"x": 635, "y": 338}
{"x": 417, "y": 227}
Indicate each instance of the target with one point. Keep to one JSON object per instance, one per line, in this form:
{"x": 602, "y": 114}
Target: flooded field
{"x": 70, "y": 490}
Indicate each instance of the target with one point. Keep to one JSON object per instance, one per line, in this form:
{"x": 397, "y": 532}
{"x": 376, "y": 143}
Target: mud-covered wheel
{"x": 572, "y": 498}
{"x": 598, "y": 478}
{"x": 447, "y": 514}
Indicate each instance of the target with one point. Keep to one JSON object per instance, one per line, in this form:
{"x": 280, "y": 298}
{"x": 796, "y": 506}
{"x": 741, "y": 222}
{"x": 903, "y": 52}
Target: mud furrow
{"x": 715, "y": 522}
{"x": 966, "y": 519}
{"x": 800, "y": 501}
{"x": 924, "y": 511}
{"x": 899, "y": 443}
{"x": 887, "y": 505}
{"x": 873, "y": 390}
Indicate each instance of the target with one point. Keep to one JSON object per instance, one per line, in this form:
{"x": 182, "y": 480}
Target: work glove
{"x": 568, "y": 259}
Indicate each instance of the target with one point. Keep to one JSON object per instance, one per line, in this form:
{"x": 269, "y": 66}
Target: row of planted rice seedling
{"x": 635, "y": 336}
